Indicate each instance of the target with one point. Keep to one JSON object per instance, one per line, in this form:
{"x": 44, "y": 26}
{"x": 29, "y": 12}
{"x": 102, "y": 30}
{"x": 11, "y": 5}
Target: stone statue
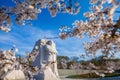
{"x": 46, "y": 58}
{"x": 15, "y": 75}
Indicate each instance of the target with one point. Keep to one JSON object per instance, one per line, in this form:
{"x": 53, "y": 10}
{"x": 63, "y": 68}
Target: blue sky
{"x": 24, "y": 37}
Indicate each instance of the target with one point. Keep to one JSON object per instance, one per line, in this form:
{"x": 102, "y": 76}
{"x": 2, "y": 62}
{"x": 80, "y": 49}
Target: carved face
{"x": 49, "y": 42}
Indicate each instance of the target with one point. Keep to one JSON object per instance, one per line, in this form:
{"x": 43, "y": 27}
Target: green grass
{"x": 93, "y": 75}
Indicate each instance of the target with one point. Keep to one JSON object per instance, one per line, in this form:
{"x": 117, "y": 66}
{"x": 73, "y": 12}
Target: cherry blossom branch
{"x": 26, "y": 10}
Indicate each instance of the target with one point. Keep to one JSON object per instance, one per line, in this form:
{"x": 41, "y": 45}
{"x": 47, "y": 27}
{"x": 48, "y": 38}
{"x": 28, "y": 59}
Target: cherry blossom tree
{"x": 10, "y": 62}
{"x": 7, "y": 61}
{"x": 26, "y": 10}
{"x": 99, "y": 26}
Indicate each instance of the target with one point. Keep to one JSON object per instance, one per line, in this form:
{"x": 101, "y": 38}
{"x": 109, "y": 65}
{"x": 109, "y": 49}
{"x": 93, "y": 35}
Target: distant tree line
{"x": 65, "y": 62}
{"x": 101, "y": 62}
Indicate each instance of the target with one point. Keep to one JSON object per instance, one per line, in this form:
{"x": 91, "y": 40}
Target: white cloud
{"x": 70, "y": 46}
{"x": 26, "y": 37}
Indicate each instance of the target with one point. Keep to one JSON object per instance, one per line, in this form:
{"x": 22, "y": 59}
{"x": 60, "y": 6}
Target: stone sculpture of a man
{"x": 46, "y": 58}
{"x": 50, "y": 57}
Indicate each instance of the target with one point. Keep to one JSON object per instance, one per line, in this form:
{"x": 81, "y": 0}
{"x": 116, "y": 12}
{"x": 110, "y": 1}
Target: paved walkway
{"x": 112, "y": 78}
{"x": 64, "y": 73}
{"x": 63, "y": 78}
